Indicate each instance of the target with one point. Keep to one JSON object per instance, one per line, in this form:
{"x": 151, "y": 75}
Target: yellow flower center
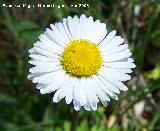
{"x": 81, "y": 58}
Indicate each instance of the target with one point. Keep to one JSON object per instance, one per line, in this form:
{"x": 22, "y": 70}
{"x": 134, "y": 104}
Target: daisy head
{"x": 80, "y": 62}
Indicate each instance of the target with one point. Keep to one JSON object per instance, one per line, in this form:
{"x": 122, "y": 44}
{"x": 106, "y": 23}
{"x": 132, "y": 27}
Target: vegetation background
{"x": 23, "y": 108}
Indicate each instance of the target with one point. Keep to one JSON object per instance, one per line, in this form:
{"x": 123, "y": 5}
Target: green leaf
{"x": 83, "y": 126}
{"x": 8, "y": 126}
{"x": 48, "y": 115}
{"x": 8, "y": 20}
{"x": 113, "y": 129}
{"x": 48, "y": 119}
{"x": 27, "y": 25}
{"x": 94, "y": 128}
{"x": 155, "y": 73}
{"x": 101, "y": 110}
{"x": 58, "y": 129}
{"x": 140, "y": 52}
{"x": 67, "y": 126}
{"x": 31, "y": 36}
{"x": 6, "y": 99}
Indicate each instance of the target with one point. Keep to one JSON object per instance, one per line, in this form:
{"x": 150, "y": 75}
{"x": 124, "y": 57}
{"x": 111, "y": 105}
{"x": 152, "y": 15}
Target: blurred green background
{"x": 23, "y": 108}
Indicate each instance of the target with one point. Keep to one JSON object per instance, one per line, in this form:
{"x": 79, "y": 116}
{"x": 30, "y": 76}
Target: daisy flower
{"x": 80, "y": 62}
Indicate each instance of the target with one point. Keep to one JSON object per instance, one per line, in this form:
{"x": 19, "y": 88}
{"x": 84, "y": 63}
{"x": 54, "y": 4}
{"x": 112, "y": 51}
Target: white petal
{"x": 42, "y": 58}
{"x": 90, "y": 94}
{"x": 117, "y": 56}
{"x": 130, "y": 60}
{"x": 62, "y": 30}
{"x": 125, "y": 71}
{"x": 120, "y": 65}
{"x": 76, "y": 27}
{"x": 49, "y": 77}
{"x": 94, "y": 106}
{"x": 114, "y": 50}
{"x": 48, "y": 46}
{"x": 44, "y": 52}
{"x": 89, "y": 30}
{"x": 110, "y": 85}
{"x": 77, "y": 105}
{"x": 82, "y": 29}
{"x": 55, "y": 36}
{"x": 105, "y": 103}
{"x": 105, "y": 72}
{"x": 46, "y": 39}
{"x": 100, "y": 32}
{"x": 87, "y": 107}
{"x": 100, "y": 93}
{"x": 86, "y": 29}
{"x": 116, "y": 41}
{"x": 62, "y": 91}
{"x": 66, "y": 29}
{"x": 41, "y": 86}
{"x": 56, "y": 96}
{"x": 60, "y": 37}
{"x": 117, "y": 83}
{"x": 104, "y": 88}
{"x": 109, "y": 37}
{"x": 69, "y": 95}
{"x": 67, "y": 90}
{"x": 103, "y": 33}
{"x": 55, "y": 85}
{"x": 82, "y": 91}
{"x": 70, "y": 25}
{"x": 76, "y": 93}
{"x": 31, "y": 76}
{"x": 44, "y": 63}
{"x": 44, "y": 69}
{"x": 43, "y": 78}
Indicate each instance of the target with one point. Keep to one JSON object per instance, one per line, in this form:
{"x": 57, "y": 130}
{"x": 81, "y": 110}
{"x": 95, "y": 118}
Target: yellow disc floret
{"x": 81, "y": 58}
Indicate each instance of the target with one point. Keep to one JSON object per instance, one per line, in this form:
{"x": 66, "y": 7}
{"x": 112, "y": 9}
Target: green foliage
{"x": 22, "y": 108}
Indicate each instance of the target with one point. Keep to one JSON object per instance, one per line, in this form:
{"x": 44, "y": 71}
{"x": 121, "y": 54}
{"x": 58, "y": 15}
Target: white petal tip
{"x": 105, "y": 103}
{"x": 30, "y": 62}
{"x": 114, "y": 32}
{"x": 117, "y": 98}
{"x": 68, "y": 101}
{"x": 29, "y": 77}
{"x": 125, "y": 89}
{"x": 94, "y": 106}
{"x": 87, "y": 109}
{"x": 55, "y": 99}
{"x": 83, "y": 15}
{"x": 76, "y": 108}
{"x": 134, "y": 66}
{"x": 42, "y": 91}
{"x": 31, "y": 50}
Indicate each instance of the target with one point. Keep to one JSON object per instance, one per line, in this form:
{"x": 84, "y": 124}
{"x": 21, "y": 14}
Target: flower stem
{"x": 74, "y": 120}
